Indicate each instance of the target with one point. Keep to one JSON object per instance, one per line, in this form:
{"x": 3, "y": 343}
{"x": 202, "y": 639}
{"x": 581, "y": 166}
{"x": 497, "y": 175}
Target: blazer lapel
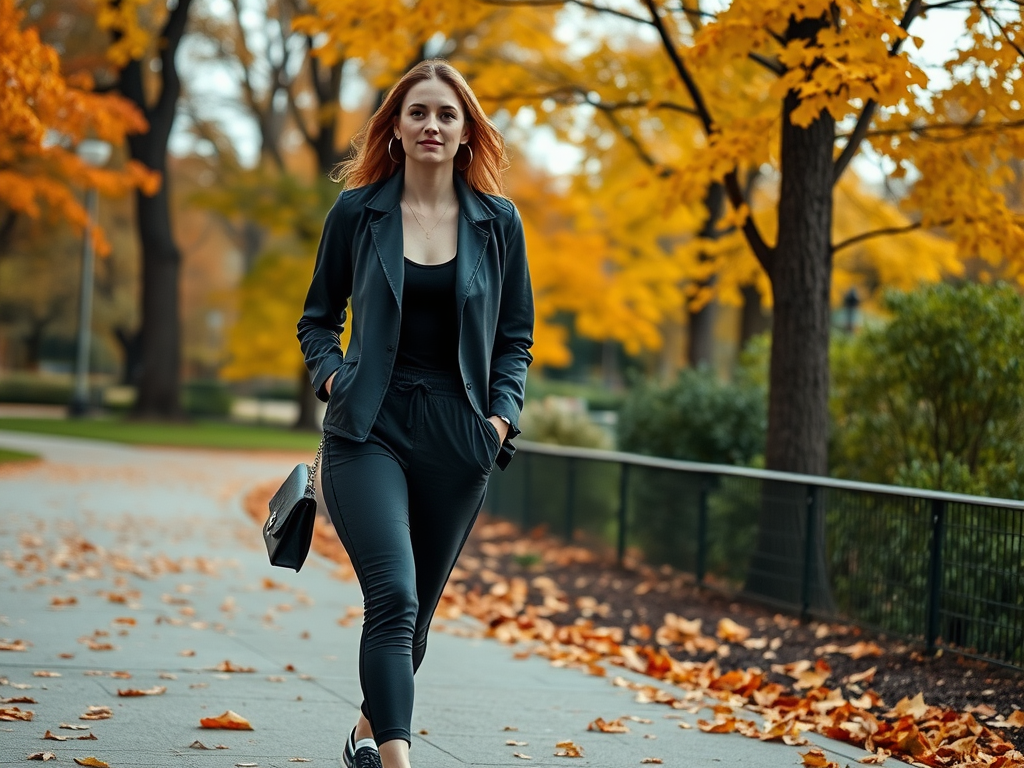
{"x": 387, "y": 233}
{"x": 472, "y": 242}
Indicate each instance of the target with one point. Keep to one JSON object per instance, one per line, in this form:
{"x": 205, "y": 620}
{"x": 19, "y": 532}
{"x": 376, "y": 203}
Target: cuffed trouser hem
{"x": 390, "y": 735}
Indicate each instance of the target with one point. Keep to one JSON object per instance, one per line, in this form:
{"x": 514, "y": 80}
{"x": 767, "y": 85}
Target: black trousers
{"x": 403, "y": 503}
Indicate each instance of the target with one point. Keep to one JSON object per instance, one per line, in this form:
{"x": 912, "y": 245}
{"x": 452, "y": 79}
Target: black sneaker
{"x": 364, "y": 757}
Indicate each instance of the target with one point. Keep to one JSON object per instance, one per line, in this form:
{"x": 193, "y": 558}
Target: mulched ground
{"x": 610, "y": 595}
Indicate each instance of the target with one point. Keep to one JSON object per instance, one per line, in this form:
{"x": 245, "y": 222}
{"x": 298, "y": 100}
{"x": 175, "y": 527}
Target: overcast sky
{"x": 215, "y": 88}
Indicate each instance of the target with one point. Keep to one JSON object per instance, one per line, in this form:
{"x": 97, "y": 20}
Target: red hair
{"x": 371, "y": 161}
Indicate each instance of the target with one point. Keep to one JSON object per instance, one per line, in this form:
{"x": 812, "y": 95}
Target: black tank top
{"x": 430, "y": 329}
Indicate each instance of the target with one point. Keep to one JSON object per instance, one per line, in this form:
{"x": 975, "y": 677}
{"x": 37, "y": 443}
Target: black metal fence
{"x": 942, "y": 568}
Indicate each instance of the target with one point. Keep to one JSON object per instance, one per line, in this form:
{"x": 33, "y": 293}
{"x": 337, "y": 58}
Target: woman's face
{"x": 432, "y": 123}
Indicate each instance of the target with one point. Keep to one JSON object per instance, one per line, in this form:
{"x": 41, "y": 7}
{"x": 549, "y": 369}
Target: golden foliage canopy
{"x": 43, "y": 116}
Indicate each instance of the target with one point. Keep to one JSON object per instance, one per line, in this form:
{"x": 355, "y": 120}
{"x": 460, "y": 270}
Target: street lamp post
{"x": 95, "y": 153}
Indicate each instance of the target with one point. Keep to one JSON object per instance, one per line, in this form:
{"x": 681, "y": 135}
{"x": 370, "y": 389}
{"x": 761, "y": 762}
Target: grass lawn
{"x": 197, "y": 434}
{"x": 8, "y": 456}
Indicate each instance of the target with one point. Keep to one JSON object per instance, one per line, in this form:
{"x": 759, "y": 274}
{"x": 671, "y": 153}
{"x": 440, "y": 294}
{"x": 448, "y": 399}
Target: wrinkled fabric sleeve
{"x": 324, "y": 313}
{"x": 513, "y": 337}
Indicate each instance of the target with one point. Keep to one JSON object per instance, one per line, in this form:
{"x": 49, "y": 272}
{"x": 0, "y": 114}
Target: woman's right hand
{"x": 329, "y": 383}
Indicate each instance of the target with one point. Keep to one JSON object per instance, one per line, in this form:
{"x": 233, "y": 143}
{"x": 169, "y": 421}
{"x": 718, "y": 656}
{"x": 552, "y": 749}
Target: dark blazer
{"x": 361, "y": 257}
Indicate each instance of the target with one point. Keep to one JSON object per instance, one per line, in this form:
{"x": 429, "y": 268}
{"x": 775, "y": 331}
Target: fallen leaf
{"x": 568, "y": 749}
{"x": 187, "y": 652}
{"x": 91, "y": 762}
{"x": 126, "y": 620}
{"x": 45, "y": 673}
{"x": 227, "y": 666}
{"x": 867, "y": 676}
{"x": 19, "y": 700}
{"x": 685, "y": 725}
{"x": 614, "y": 726}
{"x": 97, "y": 713}
{"x": 514, "y": 743}
{"x": 654, "y": 760}
{"x": 1016, "y": 720}
{"x": 814, "y": 758}
{"x": 121, "y": 675}
{"x": 982, "y": 710}
{"x": 156, "y": 690}
{"x": 229, "y": 720}
{"x": 42, "y": 756}
{"x": 730, "y": 632}
{"x": 59, "y": 602}
{"x": 197, "y": 744}
{"x": 521, "y": 756}
{"x": 510, "y": 728}
{"x": 861, "y": 649}
{"x": 13, "y": 645}
{"x": 914, "y": 707}
{"x": 246, "y": 765}
{"x": 876, "y": 759}
{"x": 10, "y": 714}
{"x": 73, "y": 727}
{"x": 299, "y": 760}
{"x": 167, "y": 676}
{"x": 723, "y": 725}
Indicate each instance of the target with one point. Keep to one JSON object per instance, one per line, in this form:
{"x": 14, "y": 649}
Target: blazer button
{"x": 391, "y": 347}
{"x": 469, "y": 386}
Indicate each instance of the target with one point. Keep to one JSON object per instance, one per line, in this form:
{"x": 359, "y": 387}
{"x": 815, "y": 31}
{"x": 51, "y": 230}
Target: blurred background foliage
{"x": 651, "y": 306}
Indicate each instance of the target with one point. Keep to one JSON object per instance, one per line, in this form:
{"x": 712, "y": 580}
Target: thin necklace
{"x": 440, "y": 218}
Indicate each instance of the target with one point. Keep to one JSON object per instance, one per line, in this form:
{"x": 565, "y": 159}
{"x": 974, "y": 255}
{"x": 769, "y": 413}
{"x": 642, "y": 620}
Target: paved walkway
{"x": 149, "y": 551}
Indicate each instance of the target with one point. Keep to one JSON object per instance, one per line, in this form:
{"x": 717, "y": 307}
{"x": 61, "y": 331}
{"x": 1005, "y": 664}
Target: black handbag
{"x": 288, "y": 531}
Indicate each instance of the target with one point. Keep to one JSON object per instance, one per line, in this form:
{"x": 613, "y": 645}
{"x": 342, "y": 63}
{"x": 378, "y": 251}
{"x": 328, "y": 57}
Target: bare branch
{"x": 581, "y": 3}
{"x": 630, "y": 138}
{"x": 868, "y": 113}
{"x": 993, "y": 20}
{"x": 772, "y": 65}
{"x": 757, "y": 244}
{"x": 875, "y": 233}
{"x": 974, "y": 129}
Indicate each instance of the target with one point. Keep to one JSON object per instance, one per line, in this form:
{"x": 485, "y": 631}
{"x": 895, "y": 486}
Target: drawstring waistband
{"x": 422, "y": 384}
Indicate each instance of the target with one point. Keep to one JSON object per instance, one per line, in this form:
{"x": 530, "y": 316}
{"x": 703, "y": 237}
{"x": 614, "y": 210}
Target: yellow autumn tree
{"x": 44, "y": 114}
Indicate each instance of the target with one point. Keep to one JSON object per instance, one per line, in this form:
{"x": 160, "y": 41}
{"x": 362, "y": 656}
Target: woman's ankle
{"x": 363, "y": 729}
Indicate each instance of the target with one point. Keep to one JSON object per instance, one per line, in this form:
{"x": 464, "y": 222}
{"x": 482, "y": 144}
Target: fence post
{"x": 810, "y": 542}
{"x": 935, "y": 574}
{"x": 623, "y": 500}
{"x": 702, "y": 528}
{"x": 570, "y": 497}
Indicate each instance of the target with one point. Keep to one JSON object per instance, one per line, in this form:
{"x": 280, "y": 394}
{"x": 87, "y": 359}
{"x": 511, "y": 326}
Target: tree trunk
{"x": 160, "y": 335}
{"x": 701, "y": 338}
{"x": 789, "y": 565}
{"x": 308, "y": 404}
{"x": 701, "y": 323}
{"x": 754, "y": 320}
{"x": 801, "y": 317}
{"x": 131, "y": 349}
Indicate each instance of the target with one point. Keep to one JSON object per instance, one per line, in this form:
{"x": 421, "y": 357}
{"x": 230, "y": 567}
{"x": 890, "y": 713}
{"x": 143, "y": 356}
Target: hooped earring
{"x": 470, "y": 150}
{"x": 396, "y": 162}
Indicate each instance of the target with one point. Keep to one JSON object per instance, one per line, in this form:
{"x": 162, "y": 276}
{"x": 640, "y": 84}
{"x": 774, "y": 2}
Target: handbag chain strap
{"x": 316, "y": 463}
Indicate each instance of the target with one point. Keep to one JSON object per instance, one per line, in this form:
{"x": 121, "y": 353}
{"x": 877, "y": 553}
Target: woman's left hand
{"x": 500, "y": 426}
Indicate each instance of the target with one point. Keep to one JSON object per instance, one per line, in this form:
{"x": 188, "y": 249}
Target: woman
{"x": 428, "y": 395}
